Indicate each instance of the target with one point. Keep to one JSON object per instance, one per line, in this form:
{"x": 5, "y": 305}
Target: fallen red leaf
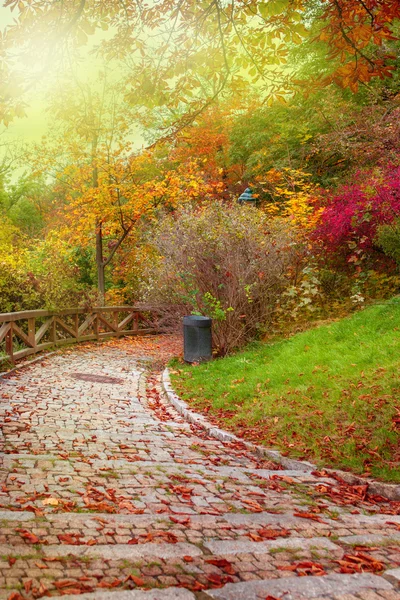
{"x": 311, "y": 516}
{"x": 184, "y": 521}
{"x": 136, "y": 580}
{"x": 31, "y": 538}
{"x": 188, "y": 559}
{"x": 223, "y": 564}
{"x": 15, "y": 596}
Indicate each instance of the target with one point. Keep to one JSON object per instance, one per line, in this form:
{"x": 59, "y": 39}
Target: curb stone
{"x": 24, "y": 365}
{"x": 392, "y": 575}
{"x": 387, "y": 490}
{"x": 302, "y": 588}
{"x": 172, "y": 593}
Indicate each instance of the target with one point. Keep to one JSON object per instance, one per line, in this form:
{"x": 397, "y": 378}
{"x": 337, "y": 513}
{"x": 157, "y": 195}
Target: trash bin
{"x": 197, "y": 339}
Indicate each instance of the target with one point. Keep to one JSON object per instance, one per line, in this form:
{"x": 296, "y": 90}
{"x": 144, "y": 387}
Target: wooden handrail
{"x": 33, "y": 331}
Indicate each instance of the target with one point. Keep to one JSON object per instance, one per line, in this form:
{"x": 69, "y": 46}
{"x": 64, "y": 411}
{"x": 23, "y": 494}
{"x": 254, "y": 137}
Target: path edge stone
{"x": 28, "y": 363}
{"x": 388, "y": 490}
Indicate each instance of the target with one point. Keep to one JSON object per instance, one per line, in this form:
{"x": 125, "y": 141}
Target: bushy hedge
{"x": 38, "y": 275}
{"x": 353, "y": 215}
{"x": 227, "y": 262}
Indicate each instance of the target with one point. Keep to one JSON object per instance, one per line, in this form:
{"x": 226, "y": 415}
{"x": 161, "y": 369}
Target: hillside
{"x": 330, "y": 394}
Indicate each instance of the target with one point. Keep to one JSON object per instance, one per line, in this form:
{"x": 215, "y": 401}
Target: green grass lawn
{"x": 330, "y": 394}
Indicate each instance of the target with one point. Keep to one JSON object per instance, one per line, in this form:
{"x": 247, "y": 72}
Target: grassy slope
{"x": 329, "y": 393}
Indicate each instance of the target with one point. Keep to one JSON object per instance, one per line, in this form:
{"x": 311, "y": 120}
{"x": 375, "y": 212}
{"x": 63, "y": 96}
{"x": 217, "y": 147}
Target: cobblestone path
{"x": 107, "y": 493}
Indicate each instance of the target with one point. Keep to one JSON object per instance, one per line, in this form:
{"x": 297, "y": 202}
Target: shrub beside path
{"x": 107, "y": 493}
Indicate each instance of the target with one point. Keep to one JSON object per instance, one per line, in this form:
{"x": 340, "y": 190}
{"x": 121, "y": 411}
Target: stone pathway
{"x": 107, "y": 493}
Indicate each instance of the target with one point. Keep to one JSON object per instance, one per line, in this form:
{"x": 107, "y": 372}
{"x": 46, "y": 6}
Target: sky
{"x": 31, "y": 128}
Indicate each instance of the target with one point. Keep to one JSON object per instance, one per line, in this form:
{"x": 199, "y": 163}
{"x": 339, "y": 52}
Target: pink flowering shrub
{"x": 351, "y": 218}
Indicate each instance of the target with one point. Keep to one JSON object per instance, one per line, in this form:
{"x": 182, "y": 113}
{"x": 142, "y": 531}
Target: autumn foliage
{"x": 297, "y": 100}
{"x": 352, "y": 216}
{"x": 225, "y": 261}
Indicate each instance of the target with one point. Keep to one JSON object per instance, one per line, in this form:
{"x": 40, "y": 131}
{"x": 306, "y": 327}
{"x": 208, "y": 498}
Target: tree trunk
{"x": 100, "y": 264}
{"x": 101, "y": 284}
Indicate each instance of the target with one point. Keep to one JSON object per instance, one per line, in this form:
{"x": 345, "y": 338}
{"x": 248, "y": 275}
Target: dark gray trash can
{"x": 197, "y": 339}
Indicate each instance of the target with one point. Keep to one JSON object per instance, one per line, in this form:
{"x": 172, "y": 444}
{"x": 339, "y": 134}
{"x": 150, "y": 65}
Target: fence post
{"x": 32, "y": 331}
{"x": 9, "y": 344}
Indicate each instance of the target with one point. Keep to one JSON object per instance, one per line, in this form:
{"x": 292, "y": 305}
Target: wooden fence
{"x": 29, "y": 332}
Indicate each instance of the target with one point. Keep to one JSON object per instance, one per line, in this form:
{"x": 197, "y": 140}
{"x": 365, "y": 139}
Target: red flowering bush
{"x": 351, "y": 218}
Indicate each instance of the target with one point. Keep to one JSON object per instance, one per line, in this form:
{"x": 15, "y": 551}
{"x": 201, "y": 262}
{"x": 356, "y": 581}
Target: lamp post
{"x": 247, "y": 198}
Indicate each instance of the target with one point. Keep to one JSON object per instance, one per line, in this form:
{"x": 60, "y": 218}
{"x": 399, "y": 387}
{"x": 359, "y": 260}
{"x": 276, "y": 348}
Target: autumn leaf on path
{"x": 50, "y": 502}
{"x": 64, "y": 583}
{"x": 268, "y": 534}
{"x": 194, "y": 587}
{"x": 31, "y": 538}
{"x": 313, "y": 517}
{"x": 136, "y": 580}
{"x": 110, "y": 584}
{"x": 182, "y": 521}
{"x": 282, "y": 478}
{"x": 223, "y": 564}
{"x": 359, "y": 562}
{"x": 218, "y": 580}
{"x": 305, "y": 567}
{"x": 253, "y": 506}
{"x": 70, "y": 538}
{"x": 15, "y": 596}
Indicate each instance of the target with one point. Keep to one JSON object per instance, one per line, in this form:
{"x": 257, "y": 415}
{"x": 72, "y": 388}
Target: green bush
{"x": 388, "y": 238}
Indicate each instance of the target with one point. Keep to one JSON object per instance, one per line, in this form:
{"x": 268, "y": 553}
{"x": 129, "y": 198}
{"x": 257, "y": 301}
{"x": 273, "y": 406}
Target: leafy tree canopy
{"x": 185, "y": 54}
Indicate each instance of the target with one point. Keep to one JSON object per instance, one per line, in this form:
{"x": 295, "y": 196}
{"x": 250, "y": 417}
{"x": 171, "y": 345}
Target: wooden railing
{"x": 29, "y": 332}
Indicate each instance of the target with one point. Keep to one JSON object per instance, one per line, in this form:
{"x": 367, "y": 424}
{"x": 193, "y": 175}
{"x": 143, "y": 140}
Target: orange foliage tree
{"x": 201, "y": 48}
{"x": 107, "y": 188}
